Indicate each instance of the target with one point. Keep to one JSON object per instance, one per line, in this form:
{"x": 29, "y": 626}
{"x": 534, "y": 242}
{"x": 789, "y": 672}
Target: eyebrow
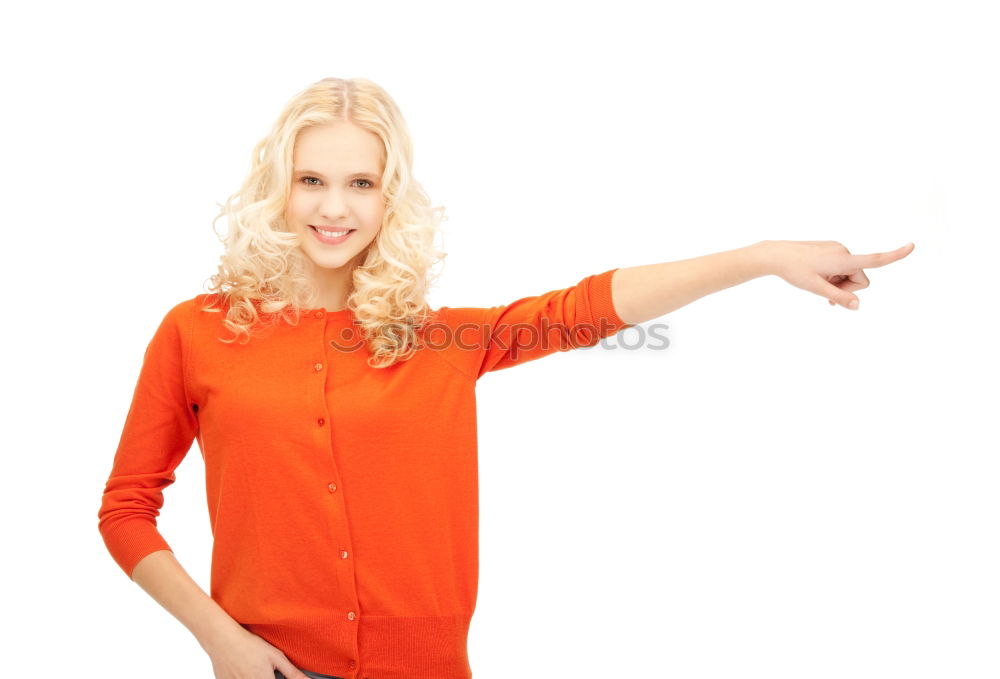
{"x": 372, "y": 175}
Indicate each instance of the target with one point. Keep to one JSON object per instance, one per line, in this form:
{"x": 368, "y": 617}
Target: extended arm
{"x": 827, "y": 268}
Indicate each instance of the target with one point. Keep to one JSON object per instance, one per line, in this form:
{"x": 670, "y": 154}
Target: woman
{"x": 337, "y": 419}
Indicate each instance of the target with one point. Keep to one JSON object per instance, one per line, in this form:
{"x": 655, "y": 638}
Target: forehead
{"x": 338, "y": 148}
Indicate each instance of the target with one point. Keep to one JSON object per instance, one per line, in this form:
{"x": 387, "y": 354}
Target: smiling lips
{"x": 331, "y": 236}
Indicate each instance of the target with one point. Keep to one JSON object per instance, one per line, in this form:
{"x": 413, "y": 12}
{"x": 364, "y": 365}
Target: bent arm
{"x": 641, "y": 293}
{"x": 163, "y": 578}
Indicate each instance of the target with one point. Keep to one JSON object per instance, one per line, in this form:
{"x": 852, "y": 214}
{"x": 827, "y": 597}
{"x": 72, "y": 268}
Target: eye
{"x": 368, "y": 184}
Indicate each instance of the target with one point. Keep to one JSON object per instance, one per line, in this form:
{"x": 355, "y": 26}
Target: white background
{"x": 789, "y": 490}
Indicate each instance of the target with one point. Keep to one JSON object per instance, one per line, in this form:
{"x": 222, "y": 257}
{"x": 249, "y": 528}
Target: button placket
{"x": 332, "y": 488}
{"x": 318, "y": 367}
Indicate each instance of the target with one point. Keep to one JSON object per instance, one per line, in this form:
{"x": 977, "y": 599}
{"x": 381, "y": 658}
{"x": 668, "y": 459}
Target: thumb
{"x": 835, "y": 294}
{"x": 288, "y": 671}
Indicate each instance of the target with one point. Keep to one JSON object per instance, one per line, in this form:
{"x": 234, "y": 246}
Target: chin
{"x": 330, "y": 260}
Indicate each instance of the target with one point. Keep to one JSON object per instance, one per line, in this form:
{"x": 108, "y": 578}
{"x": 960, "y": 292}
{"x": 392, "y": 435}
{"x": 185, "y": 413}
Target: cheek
{"x": 295, "y": 209}
{"x": 377, "y": 212}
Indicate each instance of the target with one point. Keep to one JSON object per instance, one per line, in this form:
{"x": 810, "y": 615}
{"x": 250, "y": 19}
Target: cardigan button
{"x": 318, "y": 367}
{"x": 343, "y": 554}
{"x": 351, "y": 615}
{"x": 321, "y": 421}
{"x": 318, "y": 314}
{"x": 332, "y": 487}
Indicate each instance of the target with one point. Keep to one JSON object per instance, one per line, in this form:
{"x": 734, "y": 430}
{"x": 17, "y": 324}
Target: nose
{"x": 333, "y": 206}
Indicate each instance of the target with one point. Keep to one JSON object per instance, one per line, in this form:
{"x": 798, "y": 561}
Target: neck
{"x": 331, "y": 287}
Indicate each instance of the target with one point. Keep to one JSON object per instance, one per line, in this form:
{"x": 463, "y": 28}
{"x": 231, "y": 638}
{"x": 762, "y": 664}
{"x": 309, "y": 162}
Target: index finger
{"x": 882, "y": 258}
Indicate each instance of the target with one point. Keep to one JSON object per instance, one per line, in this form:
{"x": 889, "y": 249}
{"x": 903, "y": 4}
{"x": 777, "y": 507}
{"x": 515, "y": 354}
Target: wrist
{"x": 760, "y": 256}
{"x": 216, "y": 631}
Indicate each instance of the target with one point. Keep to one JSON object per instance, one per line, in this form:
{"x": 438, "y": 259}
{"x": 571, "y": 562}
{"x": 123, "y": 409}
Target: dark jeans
{"x": 314, "y": 675}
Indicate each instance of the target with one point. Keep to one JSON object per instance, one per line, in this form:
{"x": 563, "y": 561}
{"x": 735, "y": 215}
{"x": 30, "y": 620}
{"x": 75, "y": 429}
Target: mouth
{"x": 332, "y": 236}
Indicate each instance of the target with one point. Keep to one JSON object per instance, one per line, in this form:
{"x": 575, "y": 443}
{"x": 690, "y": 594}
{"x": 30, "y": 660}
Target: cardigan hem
{"x": 386, "y": 647}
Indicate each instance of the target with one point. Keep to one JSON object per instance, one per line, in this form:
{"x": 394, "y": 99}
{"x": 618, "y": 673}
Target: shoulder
{"x": 205, "y": 303}
{"x": 454, "y": 317}
{"x": 182, "y": 314}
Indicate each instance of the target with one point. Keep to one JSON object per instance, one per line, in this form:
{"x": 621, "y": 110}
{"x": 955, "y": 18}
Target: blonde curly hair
{"x": 261, "y": 277}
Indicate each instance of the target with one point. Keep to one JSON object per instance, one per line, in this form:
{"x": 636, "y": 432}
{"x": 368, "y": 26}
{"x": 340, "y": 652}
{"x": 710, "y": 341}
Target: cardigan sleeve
{"x": 529, "y": 328}
{"x": 159, "y": 428}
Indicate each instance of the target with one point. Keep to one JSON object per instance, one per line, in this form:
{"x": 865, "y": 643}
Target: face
{"x": 336, "y": 186}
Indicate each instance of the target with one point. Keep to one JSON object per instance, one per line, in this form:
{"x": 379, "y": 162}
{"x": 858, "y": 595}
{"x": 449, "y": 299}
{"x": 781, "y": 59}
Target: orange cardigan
{"x": 343, "y": 499}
